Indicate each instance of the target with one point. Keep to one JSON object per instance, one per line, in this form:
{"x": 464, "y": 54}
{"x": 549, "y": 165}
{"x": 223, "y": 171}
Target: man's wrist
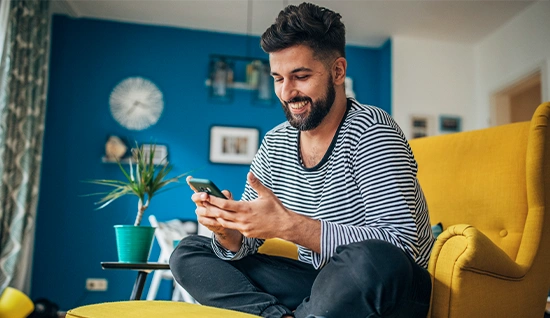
{"x": 220, "y": 236}
{"x": 303, "y": 231}
{"x": 231, "y": 241}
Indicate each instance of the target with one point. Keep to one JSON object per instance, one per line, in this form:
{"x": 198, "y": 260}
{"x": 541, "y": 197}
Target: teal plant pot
{"x": 134, "y": 243}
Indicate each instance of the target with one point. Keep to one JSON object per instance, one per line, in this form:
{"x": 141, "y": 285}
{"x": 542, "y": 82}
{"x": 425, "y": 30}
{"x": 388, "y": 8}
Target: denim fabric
{"x": 366, "y": 279}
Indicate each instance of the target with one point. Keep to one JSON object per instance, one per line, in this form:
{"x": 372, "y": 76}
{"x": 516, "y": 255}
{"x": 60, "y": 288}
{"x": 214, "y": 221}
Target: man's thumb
{"x": 256, "y": 184}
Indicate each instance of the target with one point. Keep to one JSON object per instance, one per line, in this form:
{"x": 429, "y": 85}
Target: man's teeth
{"x": 297, "y": 105}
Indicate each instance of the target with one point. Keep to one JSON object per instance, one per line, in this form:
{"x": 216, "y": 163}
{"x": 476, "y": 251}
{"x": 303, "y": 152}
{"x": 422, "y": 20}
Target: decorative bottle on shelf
{"x": 264, "y": 87}
{"x": 253, "y": 73}
{"x": 221, "y": 77}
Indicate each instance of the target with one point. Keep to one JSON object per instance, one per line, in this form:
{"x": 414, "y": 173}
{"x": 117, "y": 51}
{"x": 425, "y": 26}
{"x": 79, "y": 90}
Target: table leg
{"x": 138, "y": 285}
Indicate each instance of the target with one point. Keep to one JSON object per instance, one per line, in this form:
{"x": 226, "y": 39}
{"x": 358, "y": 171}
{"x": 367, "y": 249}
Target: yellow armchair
{"x": 487, "y": 187}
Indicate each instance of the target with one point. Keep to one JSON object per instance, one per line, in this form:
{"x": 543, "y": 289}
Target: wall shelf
{"x": 161, "y": 152}
{"x": 235, "y": 85}
{"x": 126, "y": 161}
{"x": 228, "y": 73}
{"x": 109, "y": 160}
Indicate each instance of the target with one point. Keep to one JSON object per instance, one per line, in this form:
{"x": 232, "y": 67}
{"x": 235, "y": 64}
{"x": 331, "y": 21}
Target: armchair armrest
{"x": 465, "y": 248}
{"x": 466, "y": 265}
{"x": 279, "y": 247}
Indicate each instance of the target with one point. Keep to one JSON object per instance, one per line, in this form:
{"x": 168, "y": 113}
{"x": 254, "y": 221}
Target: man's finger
{"x": 228, "y": 194}
{"x": 227, "y": 205}
{"x": 187, "y": 180}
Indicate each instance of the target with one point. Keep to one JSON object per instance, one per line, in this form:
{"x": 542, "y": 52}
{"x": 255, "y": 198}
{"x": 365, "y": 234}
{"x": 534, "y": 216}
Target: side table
{"x": 142, "y": 268}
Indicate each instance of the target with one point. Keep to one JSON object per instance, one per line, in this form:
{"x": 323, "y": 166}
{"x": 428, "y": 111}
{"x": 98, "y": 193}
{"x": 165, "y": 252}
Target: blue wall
{"x": 385, "y": 76}
{"x": 88, "y": 58}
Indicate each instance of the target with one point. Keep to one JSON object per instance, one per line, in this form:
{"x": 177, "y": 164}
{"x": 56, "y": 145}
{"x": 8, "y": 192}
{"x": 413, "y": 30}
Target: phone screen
{"x": 205, "y": 185}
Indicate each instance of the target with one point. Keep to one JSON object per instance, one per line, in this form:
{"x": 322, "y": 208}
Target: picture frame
{"x": 161, "y": 152}
{"x": 233, "y": 145}
{"x": 449, "y": 123}
{"x": 421, "y": 126}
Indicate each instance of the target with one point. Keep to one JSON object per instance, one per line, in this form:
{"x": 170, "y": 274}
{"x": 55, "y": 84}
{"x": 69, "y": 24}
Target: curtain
{"x": 23, "y": 77}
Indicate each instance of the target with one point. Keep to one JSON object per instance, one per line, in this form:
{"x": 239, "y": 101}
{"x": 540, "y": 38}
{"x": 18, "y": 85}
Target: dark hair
{"x": 307, "y": 24}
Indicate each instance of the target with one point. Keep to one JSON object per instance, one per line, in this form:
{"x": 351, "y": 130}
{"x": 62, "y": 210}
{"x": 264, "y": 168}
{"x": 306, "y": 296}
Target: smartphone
{"x": 205, "y": 185}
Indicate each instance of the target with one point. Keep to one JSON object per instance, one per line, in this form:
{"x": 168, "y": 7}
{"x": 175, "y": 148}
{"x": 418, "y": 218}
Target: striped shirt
{"x": 364, "y": 188}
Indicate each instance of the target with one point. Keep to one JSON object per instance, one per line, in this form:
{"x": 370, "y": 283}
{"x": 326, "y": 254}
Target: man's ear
{"x": 339, "y": 70}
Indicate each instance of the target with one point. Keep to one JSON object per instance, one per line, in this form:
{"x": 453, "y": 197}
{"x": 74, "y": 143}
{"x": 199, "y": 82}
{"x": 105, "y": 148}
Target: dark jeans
{"x": 372, "y": 278}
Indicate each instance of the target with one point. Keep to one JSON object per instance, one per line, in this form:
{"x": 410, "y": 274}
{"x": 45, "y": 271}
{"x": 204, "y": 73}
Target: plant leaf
{"x": 149, "y": 179}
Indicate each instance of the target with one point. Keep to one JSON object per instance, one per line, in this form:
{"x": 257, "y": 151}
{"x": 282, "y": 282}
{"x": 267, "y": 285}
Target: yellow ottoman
{"x": 152, "y": 309}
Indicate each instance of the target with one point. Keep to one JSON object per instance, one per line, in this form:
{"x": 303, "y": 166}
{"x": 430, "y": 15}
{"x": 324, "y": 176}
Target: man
{"x": 338, "y": 179}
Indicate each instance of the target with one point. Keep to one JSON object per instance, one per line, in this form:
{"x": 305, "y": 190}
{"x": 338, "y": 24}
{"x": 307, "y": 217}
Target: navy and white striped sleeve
{"x": 384, "y": 172}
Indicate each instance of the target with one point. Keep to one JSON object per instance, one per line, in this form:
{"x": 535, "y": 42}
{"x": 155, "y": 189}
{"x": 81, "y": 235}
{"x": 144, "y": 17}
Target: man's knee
{"x": 397, "y": 285}
{"x": 376, "y": 264}
{"x": 194, "y": 241}
{"x": 186, "y": 249}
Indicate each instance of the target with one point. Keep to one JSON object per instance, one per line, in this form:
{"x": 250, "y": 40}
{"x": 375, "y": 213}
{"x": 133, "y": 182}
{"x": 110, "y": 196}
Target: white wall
{"x": 510, "y": 53}
{"x": 431, "y": 78}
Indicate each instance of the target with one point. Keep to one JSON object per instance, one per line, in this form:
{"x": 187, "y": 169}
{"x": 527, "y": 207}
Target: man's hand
{"x": 229, "y": 238}
{"x": 265, "y": 217}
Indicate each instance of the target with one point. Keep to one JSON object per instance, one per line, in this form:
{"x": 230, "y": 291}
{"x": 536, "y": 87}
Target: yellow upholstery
{"x": 15, "y": 304}
{"x": 152, "y": 309}
{"x": 278, "y": 247}
{"x": 487, "y": 188}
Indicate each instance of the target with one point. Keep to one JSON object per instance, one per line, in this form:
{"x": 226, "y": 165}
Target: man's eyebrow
{"x": 296, "y": 70}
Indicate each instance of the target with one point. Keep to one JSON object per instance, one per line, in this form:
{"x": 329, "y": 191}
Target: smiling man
{"x": 338, "y": 179}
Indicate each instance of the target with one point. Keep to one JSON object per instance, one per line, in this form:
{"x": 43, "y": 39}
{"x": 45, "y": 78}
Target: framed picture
{"x": 449, "y": 123}
{"x": 161, "y": 152}
{"x": 234, "y": 145}
{"x": 421, "y": 126}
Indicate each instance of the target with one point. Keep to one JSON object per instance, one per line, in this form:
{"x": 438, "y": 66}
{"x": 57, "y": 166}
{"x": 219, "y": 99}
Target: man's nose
{"x": 288, "y": 91}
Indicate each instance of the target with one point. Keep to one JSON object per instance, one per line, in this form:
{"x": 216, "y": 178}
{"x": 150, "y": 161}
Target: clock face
{"x": 136, "y": 103}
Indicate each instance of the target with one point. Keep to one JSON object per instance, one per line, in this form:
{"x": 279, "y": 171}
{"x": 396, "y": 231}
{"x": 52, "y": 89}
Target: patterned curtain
{"x": 23, "y": 76}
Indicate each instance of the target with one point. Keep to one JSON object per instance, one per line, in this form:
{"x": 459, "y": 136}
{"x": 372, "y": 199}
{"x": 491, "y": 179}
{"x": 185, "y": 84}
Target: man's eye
{"x": 303, "y": 77}
{"x": 278, "y": 79}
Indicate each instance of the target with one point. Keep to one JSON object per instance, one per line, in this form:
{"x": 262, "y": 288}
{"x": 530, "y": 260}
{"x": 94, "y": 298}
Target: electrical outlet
{"x": 96, "y": 284}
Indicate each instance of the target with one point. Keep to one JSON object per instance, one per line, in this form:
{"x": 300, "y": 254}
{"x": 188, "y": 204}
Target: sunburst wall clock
{"x": 136, "y": 103}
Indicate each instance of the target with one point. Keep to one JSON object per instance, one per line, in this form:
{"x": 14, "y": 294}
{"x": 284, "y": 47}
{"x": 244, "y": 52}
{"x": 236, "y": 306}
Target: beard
{"x": 318, "y": 109}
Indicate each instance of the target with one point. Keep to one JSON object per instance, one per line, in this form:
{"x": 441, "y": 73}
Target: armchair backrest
{"x": 492, "y": 179}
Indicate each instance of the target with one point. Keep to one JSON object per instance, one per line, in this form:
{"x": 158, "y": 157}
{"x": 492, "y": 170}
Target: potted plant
{"x": 144, "y": 181}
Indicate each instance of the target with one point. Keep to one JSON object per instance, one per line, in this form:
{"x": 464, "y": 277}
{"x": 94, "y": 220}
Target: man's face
{"x": 303, "y": 85}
